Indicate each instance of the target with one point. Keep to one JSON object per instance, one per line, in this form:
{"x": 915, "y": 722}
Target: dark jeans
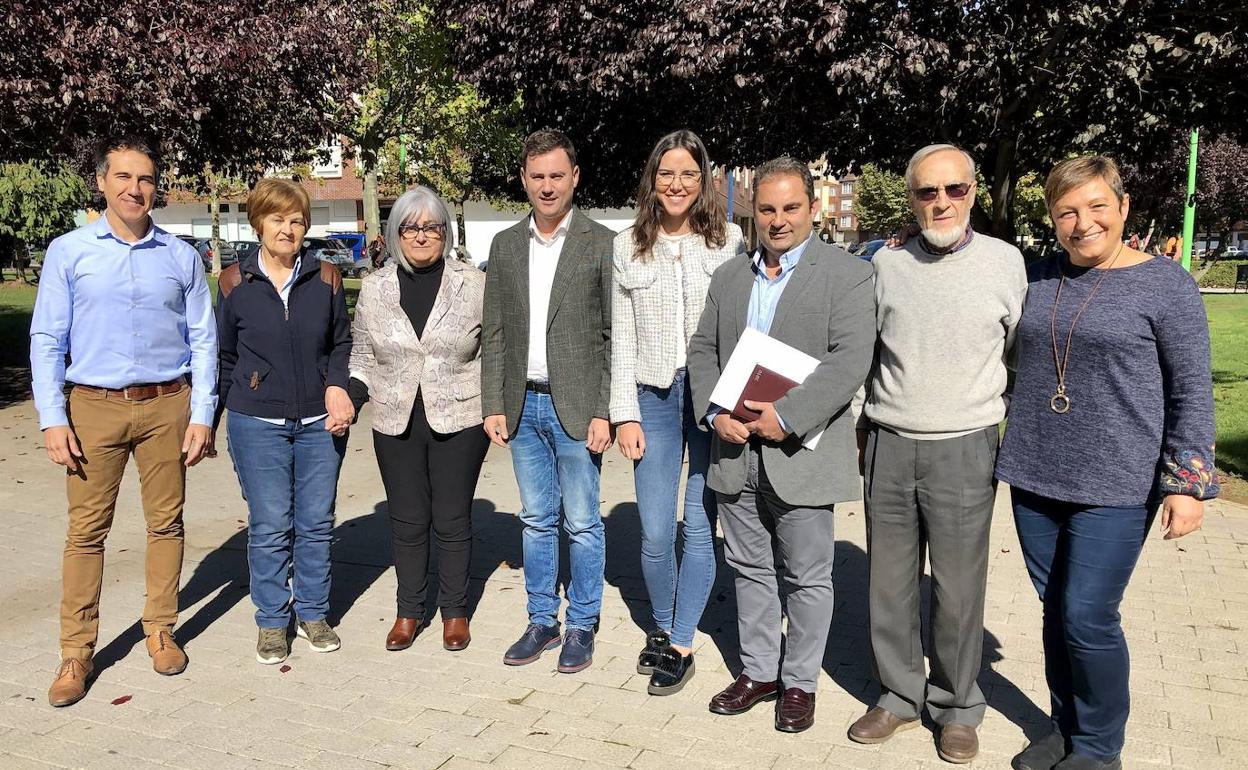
{"x": 430, "y": 479}
{"x": 1080, "y": 559}
{"x": 289, "y": 476}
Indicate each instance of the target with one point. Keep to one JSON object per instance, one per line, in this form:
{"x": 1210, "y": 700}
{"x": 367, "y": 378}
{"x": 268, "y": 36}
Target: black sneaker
{"x": 1042, "y": 754}
{"x": 532, "y": 643}
{"x": 671, "y": 673}
{"x": 656, "y": 642}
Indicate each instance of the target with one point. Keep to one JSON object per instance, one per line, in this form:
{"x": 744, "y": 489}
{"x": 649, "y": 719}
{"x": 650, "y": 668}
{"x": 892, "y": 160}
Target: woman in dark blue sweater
{"x": 1112, "y": 416}
{"x": 285, "y": 339}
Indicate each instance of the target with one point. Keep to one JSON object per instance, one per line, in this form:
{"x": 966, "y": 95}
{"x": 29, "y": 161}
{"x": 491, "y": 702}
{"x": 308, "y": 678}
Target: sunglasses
{"x": 955, "y": 192}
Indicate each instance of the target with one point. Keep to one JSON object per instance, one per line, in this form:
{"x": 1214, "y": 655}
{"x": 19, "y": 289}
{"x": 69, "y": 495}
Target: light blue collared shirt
{"x": 765, "y": 297}
{"x": 123, "y": 314}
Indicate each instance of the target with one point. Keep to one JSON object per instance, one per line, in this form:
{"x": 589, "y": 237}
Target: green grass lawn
{"x": 1228, "y": 331}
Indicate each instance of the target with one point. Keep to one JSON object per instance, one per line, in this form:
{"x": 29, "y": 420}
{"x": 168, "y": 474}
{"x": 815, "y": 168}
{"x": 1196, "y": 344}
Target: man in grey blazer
{"x": 775, "y": 495}
{"x": 545, "y": 392}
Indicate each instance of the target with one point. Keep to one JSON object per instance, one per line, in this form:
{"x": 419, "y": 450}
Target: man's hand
{"x": 730, "y": 430}
{"x": 1181, "y": 515}
{"x": 62, "y": 446}
{"x": 341, "y": 410}
{"x": 862, "y": 452}
{"x": 211, "y": 450}
{"x": 768, "y": 424}
{"x": 632, "y": 440}
{"x": 495, "y": 427}
{"x": 196, "y": 442}
{"x": 899, "y": 238}
{"x": 599, "y": 439}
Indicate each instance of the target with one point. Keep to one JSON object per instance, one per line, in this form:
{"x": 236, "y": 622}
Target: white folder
{"x": 753, "y": 349}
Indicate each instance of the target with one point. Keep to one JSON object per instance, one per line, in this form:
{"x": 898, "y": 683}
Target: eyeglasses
{"x": 430, "y": 231}
{"x": 665, "y": 178}
{"x": 955, "y": 192}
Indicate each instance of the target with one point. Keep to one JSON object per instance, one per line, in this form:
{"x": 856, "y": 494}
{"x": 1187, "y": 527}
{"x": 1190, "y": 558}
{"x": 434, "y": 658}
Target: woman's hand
{"x": 341, "y": 412}
{"x": 631, "y": 439}
{"x": 1181, "y": 515}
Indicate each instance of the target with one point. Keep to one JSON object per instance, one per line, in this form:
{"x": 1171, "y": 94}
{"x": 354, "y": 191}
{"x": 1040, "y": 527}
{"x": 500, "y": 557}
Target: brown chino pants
{"x": 109, "y": 429}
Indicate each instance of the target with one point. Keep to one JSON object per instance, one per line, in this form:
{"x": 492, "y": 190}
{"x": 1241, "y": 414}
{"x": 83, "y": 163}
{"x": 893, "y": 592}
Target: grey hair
{"x": 785, "y": 165}
{"x": 410, "y": 205}
{"x": 932, "y": 149}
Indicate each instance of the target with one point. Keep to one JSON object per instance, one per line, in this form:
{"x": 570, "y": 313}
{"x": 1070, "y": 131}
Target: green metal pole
{"x": 1189, "y": 210}
{"x": 402, "y": 163}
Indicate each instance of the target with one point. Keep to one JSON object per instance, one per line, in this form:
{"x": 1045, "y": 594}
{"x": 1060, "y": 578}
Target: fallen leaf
{"x": 284, "y": 669}
{"x": 1005, "y": 550}
{"x": 122, "y": 699}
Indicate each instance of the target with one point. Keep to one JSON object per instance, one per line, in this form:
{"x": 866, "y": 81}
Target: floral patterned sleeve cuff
{"x": 1189, "y": 472}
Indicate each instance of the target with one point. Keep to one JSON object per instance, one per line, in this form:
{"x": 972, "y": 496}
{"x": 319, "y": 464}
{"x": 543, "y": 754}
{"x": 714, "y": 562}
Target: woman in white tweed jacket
{"x": 663, "y": 266}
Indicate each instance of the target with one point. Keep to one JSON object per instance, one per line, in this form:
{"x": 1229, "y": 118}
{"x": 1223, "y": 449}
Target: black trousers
{"x": 430, "y": 479}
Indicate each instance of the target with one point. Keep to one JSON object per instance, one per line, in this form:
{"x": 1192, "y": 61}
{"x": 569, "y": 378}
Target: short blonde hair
{"x": 277, "y": 196}
{"x": 1076, "y": 172}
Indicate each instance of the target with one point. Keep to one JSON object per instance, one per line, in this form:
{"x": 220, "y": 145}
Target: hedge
{"x": 1221, "y": 275}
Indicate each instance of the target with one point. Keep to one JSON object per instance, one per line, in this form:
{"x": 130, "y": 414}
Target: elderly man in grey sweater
{"x": 947, "y": 303}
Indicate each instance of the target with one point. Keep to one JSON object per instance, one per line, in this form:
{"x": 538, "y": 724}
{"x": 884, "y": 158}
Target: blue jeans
{"x": 668, "y": 423}
{"x": 554, "y": 470}
{"x": 289, "y": 476}
{"x": 1080, "y": 559}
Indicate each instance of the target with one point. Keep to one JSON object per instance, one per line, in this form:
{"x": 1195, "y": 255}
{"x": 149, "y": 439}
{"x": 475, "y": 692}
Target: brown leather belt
{"x": 139, "y": 392}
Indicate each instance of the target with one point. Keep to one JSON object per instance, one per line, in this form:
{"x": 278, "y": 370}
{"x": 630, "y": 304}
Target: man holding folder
{"x": 774, "y": 495}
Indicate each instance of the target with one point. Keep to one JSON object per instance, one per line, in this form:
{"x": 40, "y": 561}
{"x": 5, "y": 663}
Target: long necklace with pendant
{"x": 1060, "y": 402}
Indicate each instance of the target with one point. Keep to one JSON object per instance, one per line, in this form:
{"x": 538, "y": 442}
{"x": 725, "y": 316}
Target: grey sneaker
{"x": 271, "y": 647}
{"x": 321, "y": 638}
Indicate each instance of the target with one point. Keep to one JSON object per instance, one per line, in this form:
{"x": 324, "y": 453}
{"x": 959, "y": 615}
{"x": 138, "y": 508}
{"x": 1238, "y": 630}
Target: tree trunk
{"x": 372, "y": 208}
{"x": 1002, "y": 186}
{"x": 214, "y": 207}
{"x": 461, "y": 232}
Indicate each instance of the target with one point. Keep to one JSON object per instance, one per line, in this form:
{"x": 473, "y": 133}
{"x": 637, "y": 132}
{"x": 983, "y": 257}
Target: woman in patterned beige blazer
{"x": 417, "y": 357}
{"x": 663, "y": 266}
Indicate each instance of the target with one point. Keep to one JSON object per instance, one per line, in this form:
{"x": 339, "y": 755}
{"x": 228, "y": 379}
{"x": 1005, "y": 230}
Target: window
{"x": 845, "y": 223}
{"x": 328, "y": 167}
{"x": 847, "y": 188}
{"x": 847, "y": 204}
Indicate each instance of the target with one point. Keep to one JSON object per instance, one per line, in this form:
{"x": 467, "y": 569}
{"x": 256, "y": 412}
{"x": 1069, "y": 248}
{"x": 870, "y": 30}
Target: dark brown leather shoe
{"x": 795, "y": 711}
{"x": 455, "y": 636}
{"x": 878, "y": 725}
{"x": 742, "y": 695}
{"x": 402, "y": 633}
{"x": 958, "y": 743}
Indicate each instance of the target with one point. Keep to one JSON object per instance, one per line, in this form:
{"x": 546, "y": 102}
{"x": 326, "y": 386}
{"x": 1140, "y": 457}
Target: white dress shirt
{"x": 543, "y": 259}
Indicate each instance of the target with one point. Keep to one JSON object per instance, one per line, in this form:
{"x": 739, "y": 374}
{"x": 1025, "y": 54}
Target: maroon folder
{"x": 763, "y": 385}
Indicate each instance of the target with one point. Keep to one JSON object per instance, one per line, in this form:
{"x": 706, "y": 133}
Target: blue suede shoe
{"x": 535, "y": 640}
{"x": 577, "y": 652}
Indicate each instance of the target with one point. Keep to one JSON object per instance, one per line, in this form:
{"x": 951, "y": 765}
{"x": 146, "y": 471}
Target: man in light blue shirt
{"x": 123, "y": 313}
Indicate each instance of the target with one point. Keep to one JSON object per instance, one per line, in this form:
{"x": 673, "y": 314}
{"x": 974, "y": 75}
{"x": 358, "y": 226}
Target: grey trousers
{"x": 758, "y": 525}
{"x": 933, "y": 495}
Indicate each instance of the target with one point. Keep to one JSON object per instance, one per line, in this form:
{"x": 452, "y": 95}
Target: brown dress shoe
{"x": 402, "y": 633}
{"x": 742, "y": 695}
{"x": 878, "y": 725}
{"x": 70, "y": 684}
{"x": 167, "y": 657}
{"x": 958, "y": 743}
{"x": 795, "y": 711}
{"x": 455, "y": 636}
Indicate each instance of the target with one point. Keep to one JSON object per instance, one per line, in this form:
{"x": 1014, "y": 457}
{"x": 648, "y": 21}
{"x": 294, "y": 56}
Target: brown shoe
{"x": 796, "y": 711}
{"x": 70, "y": 684}
{"x": 455, "y": 636}
{"x": 167, "y": 657}
{"x": 878, "y": 725}
{"x": 742, "y": 695}
{"x": 958, "y": 743}
{"x": 402, "y": 633}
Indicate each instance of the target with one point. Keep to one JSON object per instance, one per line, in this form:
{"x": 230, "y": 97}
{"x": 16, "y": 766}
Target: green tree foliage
{"x": 38, "y": 200}
{"x": 241, "y": 84}
{"x": 454, "y": 139}
{"x": 882, "y": 205}
{"x": 1018, "y": 83}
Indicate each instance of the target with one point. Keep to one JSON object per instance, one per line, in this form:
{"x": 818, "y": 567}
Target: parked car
{"x": 204, "y": 246}
{"x": 1234, "y": 252}
{"x": 866, "y": 250}
{"x": 245, "y": 248}
{"x": 333, "y": 251}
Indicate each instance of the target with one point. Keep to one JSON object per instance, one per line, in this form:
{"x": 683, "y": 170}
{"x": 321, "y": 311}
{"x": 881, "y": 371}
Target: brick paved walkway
{"x": 1186, "y": 615}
